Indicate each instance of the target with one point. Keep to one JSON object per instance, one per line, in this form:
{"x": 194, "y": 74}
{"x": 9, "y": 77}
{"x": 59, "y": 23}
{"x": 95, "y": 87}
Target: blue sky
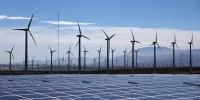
{"x": 181, "y": 14}
{"x": 115, "y": 16}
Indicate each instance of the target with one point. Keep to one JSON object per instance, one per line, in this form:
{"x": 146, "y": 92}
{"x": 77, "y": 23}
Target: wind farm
{"x": 177, "y": 58}
{"x": 123, "y": 66}
{"x": 99, "y": 50}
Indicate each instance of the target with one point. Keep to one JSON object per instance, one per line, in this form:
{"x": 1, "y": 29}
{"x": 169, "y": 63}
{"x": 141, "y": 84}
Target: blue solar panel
{"x": 100, "y": 87}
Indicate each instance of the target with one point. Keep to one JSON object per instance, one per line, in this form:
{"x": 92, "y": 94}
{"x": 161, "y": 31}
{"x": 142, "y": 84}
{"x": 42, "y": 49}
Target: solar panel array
{"x": 100, "y": 87}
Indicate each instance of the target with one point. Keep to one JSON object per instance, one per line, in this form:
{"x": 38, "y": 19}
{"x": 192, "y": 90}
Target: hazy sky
{"x": 144, "y": 17}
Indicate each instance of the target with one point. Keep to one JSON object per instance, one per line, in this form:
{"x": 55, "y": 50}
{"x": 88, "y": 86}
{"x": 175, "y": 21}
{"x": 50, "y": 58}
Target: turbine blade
{"x": 105, "y": 33}
{"x": 132, "y": 35}
{"x": 12, "y": 49}
{"x": 12, "y": 56}
{"x": 156, "y": 37}
{"x": 77, "y": 43}
{"x": 174, "y": 37}
{"x": 84, "y": 48}
{"x": 21, "y": 29}
{"x": 79, "y": 28}
{"x": 172, "y": 44}
{"x": 30, "y": 21}
{"x": 32, "y": 37}
{"x": 7, "y": 51}
{"x": 137, "y": 41}
{"x": 69, "y": 48}
{"x": 109, "y": 46}
{"x": 50, "y": 48}
{"x": 177, "y": 46}
{"x": 85, "y": 37}
{"x": 100, "y": 49}
{"x": 71, "y": 53}
{"x": 152, "y": 44}
{"x": 192, "y": 39}
{"x": 112, "y": 36}
{"x": 158, "y": 46}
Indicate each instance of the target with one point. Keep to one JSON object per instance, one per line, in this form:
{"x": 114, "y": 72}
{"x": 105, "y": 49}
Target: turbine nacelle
{"x": 10, "y": 52}
{"x": 112, "y": 50}
{"x": 191, "y": 42}
{"x": 51, "y": 51}
{"x": 134, "y": 41}
{"x": 107, "y": 37}
{"x": 125, "y": 50}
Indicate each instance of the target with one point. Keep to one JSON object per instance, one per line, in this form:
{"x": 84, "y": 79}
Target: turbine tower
{"x": 27, "y": 30}
{"x": 191, "y": 44}
{"x": 10, "y": 60}
{"x": 155, "y": 43}
{"x": 108, "y": 48}
{"x": 51, "y": 52}
{"x": 133, "y": 46}
{"x": 136, "y": 55}
{"x": 99, "y": 51}
{"x": 125, "y": 58}
{"x": 63, "y": 59}
{"x": 173, "y": 45}
{"x": 32, "y": 63}
{"x": 112, "y": 50}
{"x": 58, "y": 39}
{"x": 79, "y": 47}
{"x": 85, "y": 51}
{"x": 69, "y": 53}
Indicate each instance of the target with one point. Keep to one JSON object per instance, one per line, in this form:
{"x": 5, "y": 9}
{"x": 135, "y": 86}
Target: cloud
{"x": 65, "y": 23}
{"x": 13, "y": 17}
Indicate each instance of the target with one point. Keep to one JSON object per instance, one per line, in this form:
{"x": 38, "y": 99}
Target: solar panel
{"x": 100, "y": 87}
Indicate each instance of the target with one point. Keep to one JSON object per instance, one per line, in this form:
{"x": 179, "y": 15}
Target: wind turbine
{"x": 136, "y": 55}
{"x": 79, "y": 50}
{"x": 108, "y": 48}
{"x": 32, "y": 63}
{"x": 10, "y": 60}
{"x": 154, "y": 44}
{"x": 27, "y": 30}
{"x": 191, "y": 44}
{"x": 99, "y": 51}
{"x": 85, "y": 51}
{"x": 173, "y": 45}
{"x": 133, "y": 46}
{"x": 46, "y": 63}
{"x": 112, "y": 50}
{"x": 125, "y": 58}
{"x": 63, "y": 60}
{"x": 69, "y": 53}
{"x": 51, "y": 52}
